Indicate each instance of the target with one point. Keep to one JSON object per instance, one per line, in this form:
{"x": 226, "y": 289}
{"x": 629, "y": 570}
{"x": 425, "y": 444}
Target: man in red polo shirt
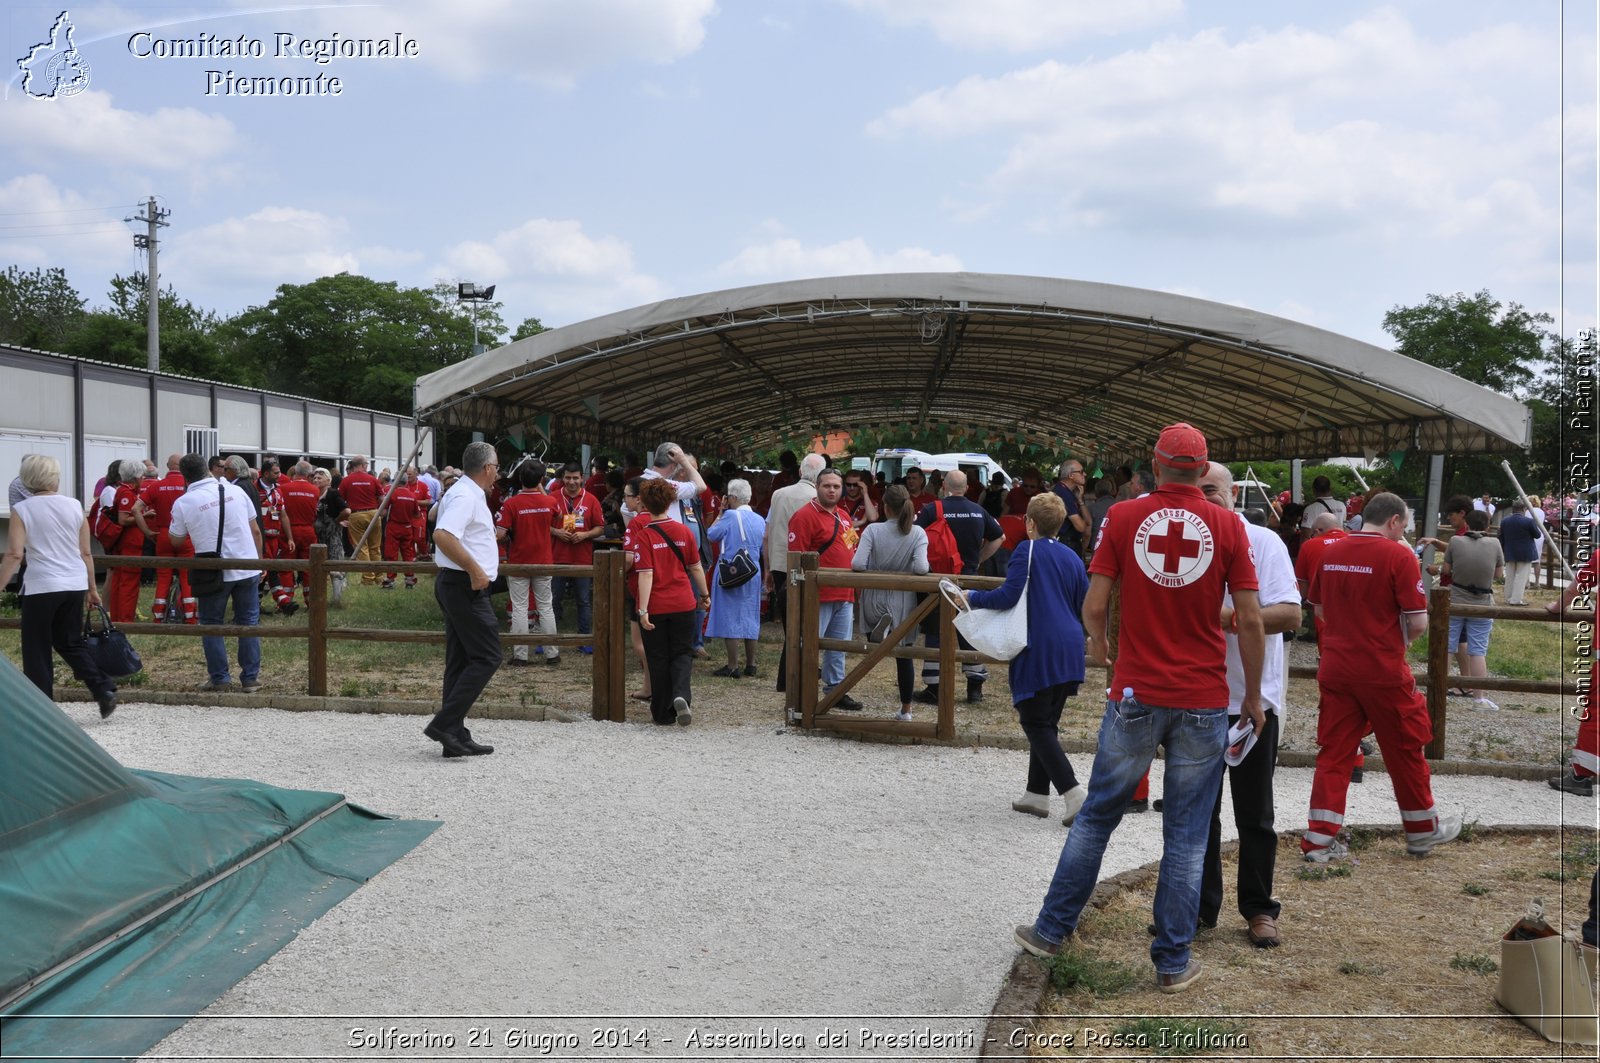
{"x": 154, "y": 514}
{"x": 277, "y": 535}
{"x": 578, "y": 524}
{"x": 362, "y": 493}
{"x": 300, "y": 515}
{"x": 1372, "y": 602}
{"x": 821, "y": 527}
{"x": 1018, "y": 497}
{"x": 406, "y": 504}
{"x": 1174, "y": 556}
{"x": 523, "y": 525}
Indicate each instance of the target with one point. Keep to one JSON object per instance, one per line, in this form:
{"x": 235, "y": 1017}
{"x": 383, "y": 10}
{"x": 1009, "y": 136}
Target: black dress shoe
{"x": 847, "y": 703}
{"x": 107, "y": 703}
{"x": 1136, "y": 807}
{"x": 453, "y": 745}
{"x": 478, "y": 749}
{"x": 928, "y": 695}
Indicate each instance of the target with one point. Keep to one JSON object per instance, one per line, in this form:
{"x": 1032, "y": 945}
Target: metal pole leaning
{"x": 1438, "y": 667}
{"x": 317, "y": 622}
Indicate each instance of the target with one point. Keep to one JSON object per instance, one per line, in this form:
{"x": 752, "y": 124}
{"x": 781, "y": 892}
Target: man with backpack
{"x": 961, "y": 536}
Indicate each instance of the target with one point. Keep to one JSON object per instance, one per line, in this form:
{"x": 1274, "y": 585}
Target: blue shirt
{"x": 1056, "y": 588}
{"x": 970, "y": 523}
{"x": 1519, "y": 536}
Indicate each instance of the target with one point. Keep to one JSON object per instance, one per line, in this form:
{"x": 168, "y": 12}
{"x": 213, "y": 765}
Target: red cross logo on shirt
{"x": 1173, "y": 547}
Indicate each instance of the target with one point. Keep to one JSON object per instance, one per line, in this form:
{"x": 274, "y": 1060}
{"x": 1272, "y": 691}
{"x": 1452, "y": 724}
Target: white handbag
{"x": 997, "y": 633}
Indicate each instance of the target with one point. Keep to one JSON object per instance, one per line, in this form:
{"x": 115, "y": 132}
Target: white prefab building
{"x": 88, "y": 414}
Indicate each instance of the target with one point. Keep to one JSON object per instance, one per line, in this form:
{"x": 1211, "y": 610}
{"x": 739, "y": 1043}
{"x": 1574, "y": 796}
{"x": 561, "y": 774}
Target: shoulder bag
{"x": 997, "y": 633}
{"x": 740, "y": 568}
{"x": 204, "y": 581}
{"x": 112, "y": 652}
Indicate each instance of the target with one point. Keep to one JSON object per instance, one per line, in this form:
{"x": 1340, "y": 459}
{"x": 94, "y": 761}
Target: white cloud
{"x": 1020, "y": 25}
{"x": 1369, "y": 126}
{"x": 549, "y": 42}
{"x": 786, "y": 258}
{"x": 553, "y": 270}
{"x": 90, "y": 127}
{"x": 44, "y": 225}
{"x": 273, "y": 246}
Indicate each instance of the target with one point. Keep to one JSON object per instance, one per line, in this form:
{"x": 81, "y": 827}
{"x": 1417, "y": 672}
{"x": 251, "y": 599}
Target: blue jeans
{"x": 246, "y": 613}
{"x": 583, "y": 590}
{"x": 1129, "y": 734}
{"x": 834, "y": 620}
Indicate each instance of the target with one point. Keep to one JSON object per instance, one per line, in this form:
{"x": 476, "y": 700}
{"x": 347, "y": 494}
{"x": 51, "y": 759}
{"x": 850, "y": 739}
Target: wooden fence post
{"x": 791, "y": 636}
{"x": 609, "y": 694}
{"x": 949, "y": 670}
{"x": 807, "y": 664}
{"x": 1438, "y": 667}
{"x": 317, "y": 623}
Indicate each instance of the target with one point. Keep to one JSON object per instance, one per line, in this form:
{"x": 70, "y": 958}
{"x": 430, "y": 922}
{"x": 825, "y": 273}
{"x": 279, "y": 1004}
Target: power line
{"x": 63, "y": 210}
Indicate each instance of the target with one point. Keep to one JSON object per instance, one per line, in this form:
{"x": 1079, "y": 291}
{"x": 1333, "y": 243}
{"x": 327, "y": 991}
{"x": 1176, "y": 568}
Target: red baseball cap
{"x": 1181, "y": 446}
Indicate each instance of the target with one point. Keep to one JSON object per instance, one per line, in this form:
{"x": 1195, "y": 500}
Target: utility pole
{"x": 155, "y": 218}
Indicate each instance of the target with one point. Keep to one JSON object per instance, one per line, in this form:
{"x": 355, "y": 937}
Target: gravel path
{"x": 606, "y": 870}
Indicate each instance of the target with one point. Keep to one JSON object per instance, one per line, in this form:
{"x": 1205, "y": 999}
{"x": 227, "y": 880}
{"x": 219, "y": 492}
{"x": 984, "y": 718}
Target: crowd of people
{"x": 1158, "y": 571}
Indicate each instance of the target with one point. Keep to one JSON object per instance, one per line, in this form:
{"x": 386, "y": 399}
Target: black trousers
{"x": 780, "y": 605}
{"x": 905, "y": 676}
{"x": 54, "y": 621}
{"x": 669, "y": 654}
{"x": 471, "y": 646}
{"x": 1040, "y": 716}
{"x": 1251, "y": 783}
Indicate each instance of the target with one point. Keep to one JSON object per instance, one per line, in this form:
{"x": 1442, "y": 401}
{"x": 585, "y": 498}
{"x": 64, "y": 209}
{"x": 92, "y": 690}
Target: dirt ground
{"x": 1412, "y": 977}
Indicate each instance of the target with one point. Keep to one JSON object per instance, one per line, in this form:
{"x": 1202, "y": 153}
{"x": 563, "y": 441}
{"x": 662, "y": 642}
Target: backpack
{"x": 944, "y": 556}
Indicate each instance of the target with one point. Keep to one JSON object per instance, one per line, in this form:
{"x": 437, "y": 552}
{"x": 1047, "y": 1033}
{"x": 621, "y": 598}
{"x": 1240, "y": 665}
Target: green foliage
{"x": 1278, "y": 475}
{"x": 1074, "y": 969}
{"x": 1473, "y": 889}
{"x": 1476, "y": 338}
{"x": 1323, "y": 872}
{"x": 1368, "y": 970}
{"x": 531, "y": 326}
{"x": 38, "y": 308}
{"x": 1469, "y": 831}
{"x": 1362, "y": 838}
{"x": 1477, "y": 963}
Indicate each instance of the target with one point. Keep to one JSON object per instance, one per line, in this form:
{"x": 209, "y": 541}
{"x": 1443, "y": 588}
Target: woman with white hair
{"x": 736, "y": 611}
{"x": 51, "y": 533}
{"x": 122, "y": 585}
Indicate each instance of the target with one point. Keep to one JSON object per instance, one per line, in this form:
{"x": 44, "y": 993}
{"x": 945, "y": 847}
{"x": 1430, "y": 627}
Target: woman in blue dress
{"x": 736, "y": 612}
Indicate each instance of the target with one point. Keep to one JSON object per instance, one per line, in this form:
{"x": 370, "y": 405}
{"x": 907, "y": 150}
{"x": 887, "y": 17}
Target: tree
{"x": 482, "y": 316}
{"x": 350, "y": 339}
{"x": 1472, "y": 338}
{"x": 38, "y": 308}
{"x": 191, "y": 338}
{"x": 531, "y": 326}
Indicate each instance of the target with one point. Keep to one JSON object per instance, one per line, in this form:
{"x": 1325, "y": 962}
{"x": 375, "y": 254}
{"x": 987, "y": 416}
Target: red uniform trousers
{"x": 419, "y": 532}
{"x": 400, "y": 544}
{"x": 1398, "y": 715}
{"x": 274, "y": 548}
{"x": 1586, "y": 751}
{"x": 182, "y": 597}
{"x": 304, "y": 536}
{"x": 122, "y": 588}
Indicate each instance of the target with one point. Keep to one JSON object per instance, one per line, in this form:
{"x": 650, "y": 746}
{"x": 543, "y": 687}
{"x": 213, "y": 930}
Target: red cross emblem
{"x": 1173, "y": 547}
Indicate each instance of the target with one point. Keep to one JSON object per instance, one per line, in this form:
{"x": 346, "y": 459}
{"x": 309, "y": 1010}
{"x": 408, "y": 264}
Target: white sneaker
{"x": 1448, "y": 830}
{"x": 685, "y": 716}
{"x": 904, "y": 715}
{"x": 1484, "y": 705}
{"x": 1032, "y": 804}
{"x": 1334, "y": 850}
{"x": 1074, "y": 798}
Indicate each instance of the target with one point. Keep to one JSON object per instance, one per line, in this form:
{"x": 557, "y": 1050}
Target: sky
{"x": 1322, "y": 162}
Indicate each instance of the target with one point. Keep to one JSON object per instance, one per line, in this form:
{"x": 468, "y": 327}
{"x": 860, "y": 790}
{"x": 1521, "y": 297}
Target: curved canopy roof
{"x": 1099, "y": 368}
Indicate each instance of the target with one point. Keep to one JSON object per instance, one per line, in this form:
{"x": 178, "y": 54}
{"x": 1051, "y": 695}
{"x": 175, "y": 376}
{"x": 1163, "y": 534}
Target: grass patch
{"x": 1073, "y": 969}
{"x": 1581, "y": 855}
{"x": 1477, "y": 963}
{"x": 1469, "y": 830}
{"x": 1323, "y": 872}
{"x": 1362, "y": 838}
{"x": 1517, "y": 650}
{"x": 1564, "y": 875}
{"x": 1181, "y": 1037}
{"x": 1364, "y": 970}
{"x": 1472, "y": 889}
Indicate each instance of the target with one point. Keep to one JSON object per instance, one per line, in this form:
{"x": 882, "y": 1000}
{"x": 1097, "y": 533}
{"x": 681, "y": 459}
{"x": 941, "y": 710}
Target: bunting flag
{"x": 1396, "y": 457}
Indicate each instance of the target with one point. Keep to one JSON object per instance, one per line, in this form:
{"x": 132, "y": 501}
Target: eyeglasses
{"x": 490, "y": 465}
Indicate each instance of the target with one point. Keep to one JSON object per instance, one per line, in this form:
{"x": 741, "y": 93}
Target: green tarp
{"x": 129, "y": 893}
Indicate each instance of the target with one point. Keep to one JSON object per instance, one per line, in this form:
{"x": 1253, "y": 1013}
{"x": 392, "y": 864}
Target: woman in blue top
{"x": 736, "y": 612}
{"x": 1046, "y": 673}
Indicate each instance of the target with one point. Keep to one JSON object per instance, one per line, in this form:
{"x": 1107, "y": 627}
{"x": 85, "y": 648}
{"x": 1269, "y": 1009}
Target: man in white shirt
{"x": 1251, "y": 780}
{"x": 469, "y": 559}
{"x": 196, "y": 517}
{"x": 785, "y": 503}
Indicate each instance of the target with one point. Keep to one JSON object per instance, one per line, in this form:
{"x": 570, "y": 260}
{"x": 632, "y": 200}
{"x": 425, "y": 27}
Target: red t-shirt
{"x": 271, "y": 508}
{"x": 671, "y": 591}
{"x": 132, "y": 539}
{"x": 1309, "y": 559}
{"x": 596, "y": 485}
{"x": 1365, "y": 582}
{"x": 1174, "y": 554}
{"x": 424, "y": 497}
{"x": 402, "y": 509}
{"x": 851, "y": 507}
{"x": 810, "y": 529}
{"x": 527, "y": 516}
{"x": 577, "y": 514}
{"x": 360, "y": 491}
{"x": 158, "y": 497}
{"x": 924, "y": 499}
{"x": 1017, "y": 500}
{"x": 299, "y": 502}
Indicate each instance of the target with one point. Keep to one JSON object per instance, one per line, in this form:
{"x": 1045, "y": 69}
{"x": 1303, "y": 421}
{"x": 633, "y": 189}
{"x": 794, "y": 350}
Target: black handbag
{"x": 207, "y": 581}
{"x": 740, "y": 568}
{"x": 112, "y": 652}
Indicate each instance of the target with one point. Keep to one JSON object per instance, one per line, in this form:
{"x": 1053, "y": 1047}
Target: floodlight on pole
{"x": 468, "y": 292}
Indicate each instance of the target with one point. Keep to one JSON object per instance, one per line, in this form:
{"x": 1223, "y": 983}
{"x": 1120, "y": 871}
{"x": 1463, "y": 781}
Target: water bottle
{"x": 1127, "y": 697}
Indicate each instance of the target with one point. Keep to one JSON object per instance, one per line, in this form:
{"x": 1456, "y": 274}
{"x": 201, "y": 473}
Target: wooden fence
{"x": 803, "y": 698}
